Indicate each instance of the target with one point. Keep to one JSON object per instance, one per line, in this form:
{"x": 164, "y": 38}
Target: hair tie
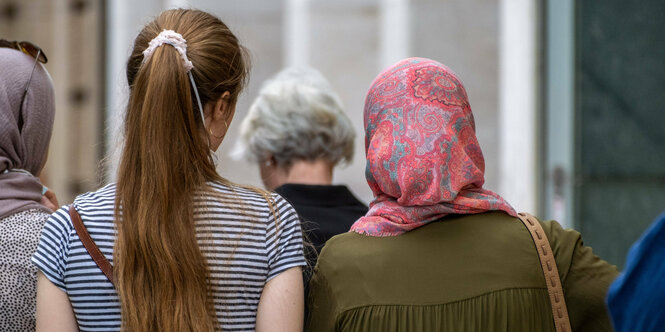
{"x": 180, "y": 44}
{"x": 172, "y": 38}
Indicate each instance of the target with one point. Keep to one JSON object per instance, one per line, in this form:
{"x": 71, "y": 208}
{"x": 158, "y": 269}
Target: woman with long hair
{"x": 189, "y": 250}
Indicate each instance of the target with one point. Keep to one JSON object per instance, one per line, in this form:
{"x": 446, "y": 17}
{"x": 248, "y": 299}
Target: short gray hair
{"x": 296, "y": 116}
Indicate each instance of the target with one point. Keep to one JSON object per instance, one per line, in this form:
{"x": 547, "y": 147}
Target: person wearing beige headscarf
{"x": 26, "y": 122}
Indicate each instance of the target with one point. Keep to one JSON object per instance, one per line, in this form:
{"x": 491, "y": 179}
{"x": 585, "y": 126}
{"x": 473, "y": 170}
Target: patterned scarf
{"x": 423, "y": 158}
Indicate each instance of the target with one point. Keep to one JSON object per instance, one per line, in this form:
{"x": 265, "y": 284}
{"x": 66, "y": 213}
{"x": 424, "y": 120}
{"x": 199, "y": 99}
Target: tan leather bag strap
{"x": 90, "y": 245}
{"x": 550, "y": 271}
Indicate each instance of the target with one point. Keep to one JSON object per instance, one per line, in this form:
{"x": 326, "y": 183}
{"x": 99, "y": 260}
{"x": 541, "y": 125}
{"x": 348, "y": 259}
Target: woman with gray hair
{"x": 297, "y": 132}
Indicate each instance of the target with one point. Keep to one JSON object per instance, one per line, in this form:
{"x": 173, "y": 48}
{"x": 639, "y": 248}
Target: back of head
{"x": 297, "y": 116}
{"x": 417, "y": 114}
{"x": 26, "y": 122}
{"x": 25, "y": 129}
{"x": 160, "y": 273}
{"x": 423, "y": 158}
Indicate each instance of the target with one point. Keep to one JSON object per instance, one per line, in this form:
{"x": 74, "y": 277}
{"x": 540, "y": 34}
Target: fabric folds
{"x": 25, "y": 131}
{"x": 500, "y": 310}
{"x": 423, "y": 158}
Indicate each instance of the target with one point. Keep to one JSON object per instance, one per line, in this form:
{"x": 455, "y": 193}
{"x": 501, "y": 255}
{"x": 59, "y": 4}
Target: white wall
{"x": 125, "y": 19}
{"x": 518, "y": 88}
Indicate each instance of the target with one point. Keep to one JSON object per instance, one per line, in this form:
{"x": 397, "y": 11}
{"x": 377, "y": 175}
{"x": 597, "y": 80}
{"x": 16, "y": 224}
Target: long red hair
{"x": 161, "y": 275}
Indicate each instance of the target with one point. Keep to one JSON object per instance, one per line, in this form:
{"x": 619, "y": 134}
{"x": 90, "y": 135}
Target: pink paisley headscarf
{"x": 423, "y": 158}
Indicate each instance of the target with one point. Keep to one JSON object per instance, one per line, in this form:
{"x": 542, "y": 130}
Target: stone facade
{"x": 72, "y": 35}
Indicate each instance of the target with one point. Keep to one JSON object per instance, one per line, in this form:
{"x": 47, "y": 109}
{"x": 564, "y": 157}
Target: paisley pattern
{"x": 423, "y": 157}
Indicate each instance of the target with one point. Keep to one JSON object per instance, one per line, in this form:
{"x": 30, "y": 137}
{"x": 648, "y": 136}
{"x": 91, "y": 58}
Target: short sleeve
{"x": 284, "y": 242}
{"x": 53, "y": 247}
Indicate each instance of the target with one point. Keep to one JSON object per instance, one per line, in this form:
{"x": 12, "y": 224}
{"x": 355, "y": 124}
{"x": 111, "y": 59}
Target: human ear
{"x": 221, "y": 106}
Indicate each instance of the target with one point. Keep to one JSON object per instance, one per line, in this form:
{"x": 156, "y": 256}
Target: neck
{"x": 317, "y": 172}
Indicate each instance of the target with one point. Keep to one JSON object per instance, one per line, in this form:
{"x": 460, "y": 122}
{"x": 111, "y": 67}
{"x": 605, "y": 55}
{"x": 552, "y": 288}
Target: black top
{"x": 325, "y": 210}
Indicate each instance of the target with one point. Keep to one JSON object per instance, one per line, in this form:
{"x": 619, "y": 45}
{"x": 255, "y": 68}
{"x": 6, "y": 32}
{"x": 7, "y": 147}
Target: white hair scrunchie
{"x": 180, "y": 44}
{"x": 172, "y": 38}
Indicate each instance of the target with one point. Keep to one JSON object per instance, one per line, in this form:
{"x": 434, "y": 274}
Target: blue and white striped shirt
{"x": 244, "y": 246}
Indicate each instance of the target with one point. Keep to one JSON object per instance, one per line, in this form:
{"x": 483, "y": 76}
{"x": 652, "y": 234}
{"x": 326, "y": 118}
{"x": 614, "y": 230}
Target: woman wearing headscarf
{"x": 437, "y": 251}
{"x": 26, "y": 120}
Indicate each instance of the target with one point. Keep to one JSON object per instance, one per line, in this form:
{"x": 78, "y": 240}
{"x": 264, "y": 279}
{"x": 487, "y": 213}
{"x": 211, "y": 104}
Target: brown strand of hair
{"x": 161, "y": 276}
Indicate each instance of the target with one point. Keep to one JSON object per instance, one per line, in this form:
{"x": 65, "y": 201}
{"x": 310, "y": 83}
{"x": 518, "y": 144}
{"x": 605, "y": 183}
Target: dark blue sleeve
{"x": 636, "y": 299}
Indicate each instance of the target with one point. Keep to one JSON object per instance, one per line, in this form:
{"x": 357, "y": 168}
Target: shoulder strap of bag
{"x": 90, "y": 245}
{"x": 550, "y": 271}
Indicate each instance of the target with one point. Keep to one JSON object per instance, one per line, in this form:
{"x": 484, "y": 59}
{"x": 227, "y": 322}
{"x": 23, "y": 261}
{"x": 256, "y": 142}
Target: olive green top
{"x": 463, "y": 273}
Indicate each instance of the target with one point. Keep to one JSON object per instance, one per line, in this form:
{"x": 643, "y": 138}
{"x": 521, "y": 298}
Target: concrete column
{"x": 297, "y": 32}
{"x": 125, "y": 20}
{"x": 518, "y": 88}
{"x": 560, "y": 111}
{"x": 395, "y": 32}
{"x": 58, "y": 163}
{"x": 118, "y": 34}
{"x": 177, "y": 4}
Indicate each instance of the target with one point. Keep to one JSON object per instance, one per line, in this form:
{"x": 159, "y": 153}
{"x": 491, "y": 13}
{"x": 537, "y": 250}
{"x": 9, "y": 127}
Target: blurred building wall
{"x": 619, "y": 136}
{"x": 71, "y": 33}
{"x": 349, "y": 41}
{"x": 566, "y": 94}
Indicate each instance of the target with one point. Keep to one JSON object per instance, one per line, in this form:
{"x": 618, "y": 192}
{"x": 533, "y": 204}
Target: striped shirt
{"x": 244, "y": 245}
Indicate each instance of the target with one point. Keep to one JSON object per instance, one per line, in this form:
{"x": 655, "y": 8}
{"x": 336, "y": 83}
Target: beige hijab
{"x": 23, "y": 147}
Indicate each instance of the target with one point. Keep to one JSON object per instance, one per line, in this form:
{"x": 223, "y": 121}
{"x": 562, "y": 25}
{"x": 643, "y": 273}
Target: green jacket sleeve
{"x": 585, "y": 278}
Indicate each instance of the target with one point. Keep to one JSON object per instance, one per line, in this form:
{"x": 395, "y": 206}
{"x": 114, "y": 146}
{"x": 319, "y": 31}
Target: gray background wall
{"x": 344, "y": 46}
{"x": 620, "y": 122}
